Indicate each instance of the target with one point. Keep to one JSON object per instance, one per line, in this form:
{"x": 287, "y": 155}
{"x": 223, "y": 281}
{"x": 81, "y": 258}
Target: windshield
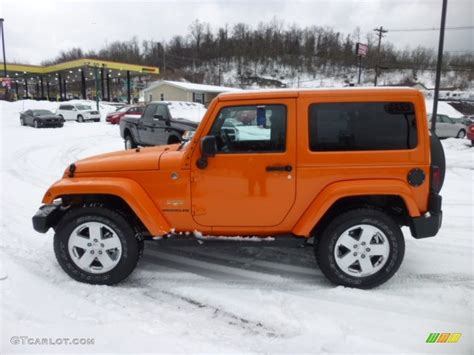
{"x": 83, "y": 107}
{"x": 42, "y": 112}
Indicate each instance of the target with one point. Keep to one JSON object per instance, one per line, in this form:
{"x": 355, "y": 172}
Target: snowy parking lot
{"x": 220, "y": 297}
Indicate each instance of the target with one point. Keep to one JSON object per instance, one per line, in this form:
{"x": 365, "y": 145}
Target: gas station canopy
{"x": 75, "y": 74}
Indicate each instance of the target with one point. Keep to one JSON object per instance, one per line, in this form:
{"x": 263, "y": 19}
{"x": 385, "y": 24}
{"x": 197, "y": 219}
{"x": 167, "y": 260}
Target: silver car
{"x": 446, "y": 127}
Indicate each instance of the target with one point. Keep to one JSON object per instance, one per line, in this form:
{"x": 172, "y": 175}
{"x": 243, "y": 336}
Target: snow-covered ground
{"x": 215, "y": 297}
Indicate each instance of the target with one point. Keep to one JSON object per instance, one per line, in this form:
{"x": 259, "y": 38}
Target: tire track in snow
{"x": 253, "y": 263}
{"x": 231, "y": 268}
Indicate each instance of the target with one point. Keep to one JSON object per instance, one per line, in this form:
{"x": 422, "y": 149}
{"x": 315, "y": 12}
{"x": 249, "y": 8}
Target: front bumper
{"x": 56, "y": 123}
{"x": 428, "y": 225}
{"x": 46, "y": 217}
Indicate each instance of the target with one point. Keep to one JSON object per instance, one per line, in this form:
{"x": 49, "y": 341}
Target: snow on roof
{"x": 192, "y": 86}
{"x": 444, "y": 108}
{"x": 192, "y": 111}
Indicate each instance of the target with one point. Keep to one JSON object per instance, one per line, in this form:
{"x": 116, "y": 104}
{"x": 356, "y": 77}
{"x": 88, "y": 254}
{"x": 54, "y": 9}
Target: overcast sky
{"x": 38, "y": 30}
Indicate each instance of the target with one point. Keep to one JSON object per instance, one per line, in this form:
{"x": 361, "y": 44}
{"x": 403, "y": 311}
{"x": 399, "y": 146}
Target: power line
{"x": 431, "y": 29}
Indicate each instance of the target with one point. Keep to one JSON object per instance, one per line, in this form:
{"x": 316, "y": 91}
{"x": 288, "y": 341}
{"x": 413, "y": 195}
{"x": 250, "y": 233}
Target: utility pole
{"x": 380, "y": 32}
{"x": 164, "y": 62}
{"x": 219, "y": 71}
{"x": 438, "y": 66}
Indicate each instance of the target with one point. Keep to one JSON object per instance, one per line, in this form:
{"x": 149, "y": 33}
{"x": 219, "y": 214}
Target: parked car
{"x": 162, "y": 122}
{"x": 78, "y": 112}
{"x": 447, "y": 127}
{"x": 40, "y": 118}
{"x": 346, "y": 167}
{"x": 470, "y": 133}
{"x": 115, "y": 117}
{"x": 462, "y": 120}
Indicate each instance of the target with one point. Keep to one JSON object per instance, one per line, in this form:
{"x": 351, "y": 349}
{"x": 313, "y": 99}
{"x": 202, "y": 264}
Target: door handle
{"x": 272, "y": 168}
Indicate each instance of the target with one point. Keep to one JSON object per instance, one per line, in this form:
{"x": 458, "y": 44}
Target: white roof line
{"x": 191, "y": 86}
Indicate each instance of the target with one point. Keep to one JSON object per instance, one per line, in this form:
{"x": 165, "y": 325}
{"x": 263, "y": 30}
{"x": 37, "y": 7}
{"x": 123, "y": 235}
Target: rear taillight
{"x": 435, "y": 178}
{"x": 471, "y": 128}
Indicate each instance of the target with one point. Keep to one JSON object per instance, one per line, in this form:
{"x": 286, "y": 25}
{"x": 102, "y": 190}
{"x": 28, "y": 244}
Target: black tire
{"x": 96, "y": 120}
{"x": 326, "y": 243}
{"x": 472, "y": 142}
{"x": 61, "y": 125}
{"x": 437, "y": 158}
{"x": 461, "y": 134}
{"x": 36, "y": 124}
{"x": 129, "y": 142}
{"x": 22, "y": 121}
{"x": 131, "y": 246}
{"x": 80, "y": 118}
{"x": 174, "y": 140}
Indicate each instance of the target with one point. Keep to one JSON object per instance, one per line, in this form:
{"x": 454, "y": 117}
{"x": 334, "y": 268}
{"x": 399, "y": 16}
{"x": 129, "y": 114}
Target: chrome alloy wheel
{"x": 95, "y": 247}
{"x": 361, "y": 250}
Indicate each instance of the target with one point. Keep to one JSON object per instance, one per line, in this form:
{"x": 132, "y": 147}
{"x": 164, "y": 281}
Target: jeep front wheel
{"x": 361, "y": 248}
{"x": 96, "y": 245}
{"x": 130, "y": 143}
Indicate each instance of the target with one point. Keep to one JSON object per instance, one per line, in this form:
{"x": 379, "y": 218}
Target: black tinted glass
{"x": 362, "y": 126}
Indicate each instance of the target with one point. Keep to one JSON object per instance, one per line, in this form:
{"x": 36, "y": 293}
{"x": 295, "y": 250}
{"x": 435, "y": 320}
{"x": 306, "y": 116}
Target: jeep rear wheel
{"x": 361, "y": 248}
{"x": 96, "y": 245}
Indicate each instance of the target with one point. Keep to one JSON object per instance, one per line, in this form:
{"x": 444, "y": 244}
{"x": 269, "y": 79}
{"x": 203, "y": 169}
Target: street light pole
{"x": 438, "y": 67}
{"x": 3, "y": 47}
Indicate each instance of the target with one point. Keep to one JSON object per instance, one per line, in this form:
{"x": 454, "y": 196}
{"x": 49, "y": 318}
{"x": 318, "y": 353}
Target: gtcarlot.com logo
{"x": 444, "y": 337}
{"x": 26, "y": 340}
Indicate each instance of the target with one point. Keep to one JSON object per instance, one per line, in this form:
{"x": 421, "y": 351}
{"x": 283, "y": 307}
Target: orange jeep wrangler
{"x": 348, "y": 167}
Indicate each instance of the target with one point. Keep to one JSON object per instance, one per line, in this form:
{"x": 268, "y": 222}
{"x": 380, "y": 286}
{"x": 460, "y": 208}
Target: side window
{"x": 162, "y": 111}
{"x": 29, "y": 112}
{"x": 362, "y": 126}
{"x": 61, "y": 107}
{"x": 149, "y": 112}
{"x": 248, "y": 129}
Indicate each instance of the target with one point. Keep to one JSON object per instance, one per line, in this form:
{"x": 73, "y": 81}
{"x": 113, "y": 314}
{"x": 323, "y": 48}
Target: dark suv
{"x": 162, "y": 122}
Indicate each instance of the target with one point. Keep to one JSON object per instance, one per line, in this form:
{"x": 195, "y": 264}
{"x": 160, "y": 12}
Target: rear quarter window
{"x": 357, "y": 126}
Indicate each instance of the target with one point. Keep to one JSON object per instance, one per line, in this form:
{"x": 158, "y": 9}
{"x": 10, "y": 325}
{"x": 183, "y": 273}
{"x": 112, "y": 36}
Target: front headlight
{"x": 187, "y": 135}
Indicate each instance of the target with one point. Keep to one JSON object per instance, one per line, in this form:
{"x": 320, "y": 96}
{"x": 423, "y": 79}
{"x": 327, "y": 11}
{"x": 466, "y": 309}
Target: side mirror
{"x": 208, "y": 149}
